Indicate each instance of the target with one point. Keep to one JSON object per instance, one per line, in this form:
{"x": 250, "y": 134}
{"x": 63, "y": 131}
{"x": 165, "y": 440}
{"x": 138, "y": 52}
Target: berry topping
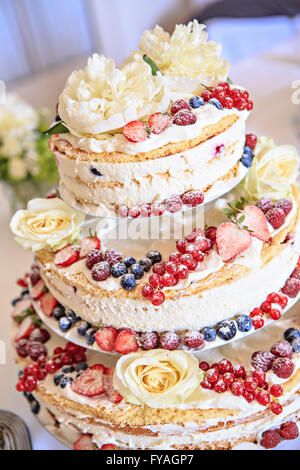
{"x": 181, "y": 246}
{"x": 289, "y": 431}
{"x": 276, "y": 408}
{"x": 112, "y": 256}
{"x": 276, "y": 390}
{"x": 178, "y": 105}
{"x": 157, "y": 298}
{"x": 256, "y": 221}
{"x": 192, "y": 198}
{"x": 64, "y": 324}
{"x": 137, "y": 270}
{"x": 169, "y": 340}
{"x": 168, "y": 280}
{"x": 40, "y": 335}
{"x": 188, "y": 261}
{"x": 209, "y": 334}
{"x": 36, "y": 350}
{"x": 193, "y": 339}
{"x": 173, "y": 203}
{"x": 185, "y": 117}
{"x": 161, "y": 268}
{"x": 244, "y": 323}
{"x": 237, "y": 388}
{"x": 262, "y": 360}
{"x": 285, "y": 204}
{"x": 128, "y": 281}
{"x": 196, "y": 101}
{"x": 211, "y": 233}
{"x": 291, "y": 333}
{"x": 158, "y": 122}
{"x": 251, "y": 140}
{"x": 47, "y": 303}
{"x": 212, "y": 375}
{"x": 106, "y": 337}
{"x": 149, "y": 340}
{"x": 270, "y": 439}
{"x": 90, "y": 382}
{"x": 220, "y": 386}
{"x": 226, "y": 330}
{"x": 118, "y": 269}
{"x": 282, "y": 349}
{"x": 21, "y": 347}
{"x": 88, "y": 244}
{"x": 231, "y": 240}
{"x": 112, "y": 394}
{"x": 129, "y": 261}
{"x": 182, "y": 272}
{"x": 94, "y": 257}
{"x": 135, "y": 131}
{"x": 265, "y": 204}
{"x": 154, "y": 256}
{"x": 276, "y": 217}
{"x": 283, "y": 367}
{"x": 206, "y": 95}
{"x": 100, "y": 271}
{"x": 147, "y": 291}
{"x": 126, "y": 342}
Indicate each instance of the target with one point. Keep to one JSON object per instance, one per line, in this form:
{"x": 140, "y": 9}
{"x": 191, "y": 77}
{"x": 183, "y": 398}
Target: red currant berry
{"x": 188, "y": 261}
{"x": 204, "y": 365}
{"x": 42, "y": 374}
{"x": 228, "y": 102}
{"x": 241, "y": 104}
{"x": 191, "y": 237}
{"x": 181, "y": 245}
{"x": 30, "y": 384}
{"x": 147, "y": 291}
{"x": 175, "y": 257}
{"x": 51, "y": 367}
{"x": 251, "y": 140}
{"x": 273, "y": 298}
{"x": 237, "y": 388}
{"x": 159, "y": 269}
{"x": 249, "y": 396}
{"x": 258, "y": 322}
{"x": 260, "y": 376}
{"x": 79, "y": 356}
{"x": 225, "y": 86}
{"x": 220, "y": 386}
{"x": 71, "y": 347}
{"x": 206, "y": 385}
{"x": 256, "y": 312}
{"x": 168, "y": 280}
{"x": 225, "y": 366}
{"x": 157, "y": 298}
{"x": 263, "y": 397}
{"x": 207, "y": 95}
{"x": 228, "y": 378}
{"x": 20, "y": 386}
{"x": 197, "y": 255}
{"x": 239, "y": 371}
{"x": 66, "y": 360}
{"x": 202, "y": 244}
{"x": 211, "y": 233}
{"x": 275, "y": 314}
{"x": 212, "y": 375}
{"x": 276, "y": 408}
{"x": 245, "y": 95}
{"x": 58, "y": 351}
{"x": 250, "y": 384}
{"x": 154, "y": 280}
{"x": 182, "y": 272}
{"x": 276, "y": 390}
{"x": 31, "y": 370}
{"x": 249, "y": 105}
{"x": 171, "y": 267}
{"x": 266, "y": 306}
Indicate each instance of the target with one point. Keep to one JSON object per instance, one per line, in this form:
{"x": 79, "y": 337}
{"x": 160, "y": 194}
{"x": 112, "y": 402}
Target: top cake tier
{"x": 163, "y": 132}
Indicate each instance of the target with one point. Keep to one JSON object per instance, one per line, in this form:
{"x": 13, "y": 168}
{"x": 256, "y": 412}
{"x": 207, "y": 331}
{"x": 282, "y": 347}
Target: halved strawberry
{"x": 158, "y": 122}
{"x": 66, "y": 256}
{"x": 108, "y": 447}
{"x": 135, "y": 131}
{"x": 231, "y": 240}
{"x": 38, "y": 289}
{"x": 90, "y": 382}
{"x": 88, "y": 244}
{"x": 256, "y": 221}
{"x": 47, "y": 303}
{"x": 106, "y": 337}
{"x": 126, "y": 342}
{"x": 26, "y": 328}
{"x": 85, "y": 443}
{"x": 112, "y": 394}
{"x": 21, "y": 307}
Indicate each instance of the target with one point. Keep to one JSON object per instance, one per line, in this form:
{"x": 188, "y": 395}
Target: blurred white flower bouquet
{"x": 27, "y": 166}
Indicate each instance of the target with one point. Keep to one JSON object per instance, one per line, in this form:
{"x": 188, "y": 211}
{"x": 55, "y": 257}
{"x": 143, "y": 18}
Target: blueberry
{"x": 246, "y": 161}
{"x": 20, "y": 373}
{"x": 81, "y": 366}
{"x": 57, "y": 378}
{"x": 244, "y": 323}
{"x": 29, "y": 397}
{"x": 64, "y": 324}
{"x": 95, "y": 172}
{"x": 118, "y": 269}
{"x": 226, "y": 330}
{"x": 196, "y": 102}
{"x": 154, "y": 256}
{"x": 72, "y": 317}
{"x": 83, "y": 327}
{"x": 295, "y": 343}
{"x": 68, "y": 369}
{"x": 90, "y": 336}
{"x": 216, "y": 103}
{"x": 137, "y": 270}
{"x": 57, "y": 118}
{"x": 128, "y": 281}
{"x": 58, "y": 312}
{"x": 146, "y": 263}
{"x": 15, "y": 301}
{"x": 248, "y": 151}
{"x": 65, "y": 381}
{"x": 209, "y": 334}
{"x": 129, "y": 261}
{"x": 35, "y": 407}
{"x": 24, "y": 292}
{"x": 291, "y": 333}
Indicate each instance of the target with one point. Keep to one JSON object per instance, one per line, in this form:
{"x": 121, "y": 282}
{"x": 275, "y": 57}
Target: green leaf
{"x": 150, "y": 62}
{"x": 228, "y": 80}
{"x": 241, "y": 219}
{"x": 58, "y": 128}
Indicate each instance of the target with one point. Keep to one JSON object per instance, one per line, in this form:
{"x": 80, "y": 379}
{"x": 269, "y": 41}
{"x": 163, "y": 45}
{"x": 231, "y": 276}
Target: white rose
{"x": 273, "y": 170}
{"x": 47, "y": 223}
{"x": 157, "y": 378}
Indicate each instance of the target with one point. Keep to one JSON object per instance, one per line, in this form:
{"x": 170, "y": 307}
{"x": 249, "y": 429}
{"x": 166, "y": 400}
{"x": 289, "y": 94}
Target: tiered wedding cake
{"x": 152, "y": 316}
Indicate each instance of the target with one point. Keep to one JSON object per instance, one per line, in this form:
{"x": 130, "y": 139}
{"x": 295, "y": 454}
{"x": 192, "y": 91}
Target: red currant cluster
{"x": 191, "y": 251}
{"x": 228, "y": 97}
{"x": 34, "y": 373}
{"x": 223, "y": 376}
{"x": 267, "y": 308}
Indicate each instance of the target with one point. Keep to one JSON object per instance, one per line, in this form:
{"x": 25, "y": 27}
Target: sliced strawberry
{"x": 90, "y": 382}
{"x": 84, "y": 443}
{"x": 21, "y": 307}
{"x": 231, "y": 240}
{"x": 126, "y": 342}
{"x": 135, "y": 131}
{"x": 112, "y": 394}
{"x": 88, "y": 244}
{"x": 106, "y": 337}
{"x": 108, "y": 447}
{"x": 256, "y": 221}
{"x": 26, "y": 328}
{"x": 66, "y": 256}
{"x": 38, "y": 289}
{"x": 158, "y": 122}
{"x": 47, "y": 303}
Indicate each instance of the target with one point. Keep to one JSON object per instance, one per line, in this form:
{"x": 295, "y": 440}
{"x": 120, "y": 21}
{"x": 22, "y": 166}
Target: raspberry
{"x": 276, "y": 408}
{"x": 295, "y": 274}
{"x": 178, "y": 105}
{"x": 276, "y": 390}
{"x": 239, "y": 371}
{"x": 35, "y": 350}
{"x": 193, "y": 339}
{"x": 149, "y": 340}
{"x": 291, "y": 287}
{"x": 270, "y": 439}
{"x": 173, "y": 203}
{"x": 40, "y": 335}
{"x": 94, "y": 257}
{"x": 100, "y": 271}
{"x": 204, "y": 365}
{"x": 168, "y": 280}
{"x": 192, "y": 198}
{"x": 237, "y": 388}
{"x": 282, "y": 349}
{"x": 169, "y": 340}
{"x": 275, "y": 314}
{"x": 188, "y": 261}
{"x": 275, "y": 217}
{"x": 251, "y": 140}
{"x": 265, "y": 204}
{"x": 220, "y": 386}
{"x": 157, "y": 298}
{"x": 182, "y": 272}
{"x": 283, "y": 367}
{"x": 21, "y": 347}
{"x": 262, "y": 360}
{"x": 289, "y": 431}
{"x": 224, "y": 366}
{"x": 181, "y": 246}
{"x": 211, "y": 233}
{"x": 147, "y": 291}
{"x": 250, "y": 384}
{"x": 112, "y": 256}
{"x": 185, "y": 117}
{"x": 160, "y": 269}
{"x": 285, "y": 204}
{"x": 263, "y": 398}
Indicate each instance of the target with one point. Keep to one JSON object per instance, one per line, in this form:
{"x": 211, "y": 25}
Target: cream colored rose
{"x": 47, "y": 223}
{"x": 102, "y": 97}
{"x": 157, "y": 378}
{"x": 273, "y": 170}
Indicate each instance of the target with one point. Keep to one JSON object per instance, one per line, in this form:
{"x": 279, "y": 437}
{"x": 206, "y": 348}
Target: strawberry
{"x": 25, "y": 330}
{"x": 90, "y": 382}
{"x": 231, "y": 240}
{"x": 38, "y": 289}
{"x": 84, "y": 443}
{"x": 126, "y": 342}
{"x": 66, "y": 256}
{"x": 256, "y": 221}
{"x": 112, "y": 394}
{"x": 158, "y": 122}
{"x": 135, "y": 131}
{"x": 21, "y": 307}
{"x": 88, "y": 244}
{"x": 108, "y": 447}
{"x": 47, "y": 303}
{"x": 106, "y": 337}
